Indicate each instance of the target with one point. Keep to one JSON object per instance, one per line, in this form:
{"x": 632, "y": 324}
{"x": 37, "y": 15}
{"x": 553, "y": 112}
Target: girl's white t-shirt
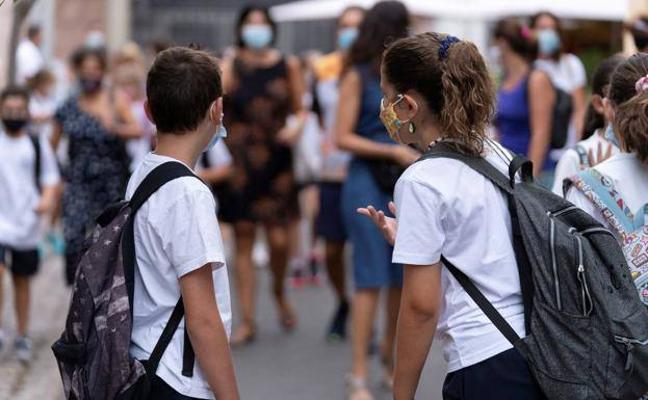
{"x": 567, "y": 74}
{"x": 630, "y": 179}
{"x": 445, "y": 207}
{"x": 570, "y": 162}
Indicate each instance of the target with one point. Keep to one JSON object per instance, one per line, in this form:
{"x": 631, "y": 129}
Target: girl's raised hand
{"x": 387, "y": 225}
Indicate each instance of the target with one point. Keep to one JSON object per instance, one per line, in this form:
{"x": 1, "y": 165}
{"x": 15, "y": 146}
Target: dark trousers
{"x": 161, "y": 391}
{"x": 505, "y": 376}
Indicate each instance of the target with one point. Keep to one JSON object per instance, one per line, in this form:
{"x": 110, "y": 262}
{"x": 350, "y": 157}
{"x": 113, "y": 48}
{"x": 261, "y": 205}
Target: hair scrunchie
{"x": 445, "y": 44}
{"x": 642, "y": 84}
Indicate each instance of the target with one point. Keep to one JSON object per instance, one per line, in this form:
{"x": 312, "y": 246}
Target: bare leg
{"x": 363, "y": 315}
{"x": 22, "y": 300}
{"x": 246, "y": 281}
{"x": 335, "y": 268}
{"x": 279, "y": 249}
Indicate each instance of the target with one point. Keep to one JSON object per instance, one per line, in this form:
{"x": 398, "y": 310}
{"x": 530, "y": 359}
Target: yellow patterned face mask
{"x": 389, "y": 118}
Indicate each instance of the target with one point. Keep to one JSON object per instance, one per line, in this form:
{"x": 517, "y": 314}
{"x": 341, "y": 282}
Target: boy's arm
{"x": 207, "y": 332}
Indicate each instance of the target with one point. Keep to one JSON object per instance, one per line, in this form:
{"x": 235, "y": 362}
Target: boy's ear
{"x": 217, "y": 110}
{"x": 147, "y": 111}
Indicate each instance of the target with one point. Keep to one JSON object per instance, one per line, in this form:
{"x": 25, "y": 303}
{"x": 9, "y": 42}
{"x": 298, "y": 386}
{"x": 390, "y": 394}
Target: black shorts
{"x": 20, "y": 262}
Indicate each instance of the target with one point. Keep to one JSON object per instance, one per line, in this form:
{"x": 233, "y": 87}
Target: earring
{"x": 411, "y": 128}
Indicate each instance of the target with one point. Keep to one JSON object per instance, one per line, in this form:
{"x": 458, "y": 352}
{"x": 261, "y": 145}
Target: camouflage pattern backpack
{"x": 631, "y": 229}
{"x": 93, "y": 351}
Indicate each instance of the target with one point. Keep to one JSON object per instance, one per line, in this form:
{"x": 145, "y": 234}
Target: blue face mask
{"x": 256, "y": 36}
{"x": 221, "y": 133}
{"x": 548, "y": 42}
{"x": 611, "y": 137}
{"x": 346, "y": 37}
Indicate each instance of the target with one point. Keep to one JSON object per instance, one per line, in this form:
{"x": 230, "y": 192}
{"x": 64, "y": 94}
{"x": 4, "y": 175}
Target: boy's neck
{"x": 182, "y": 147}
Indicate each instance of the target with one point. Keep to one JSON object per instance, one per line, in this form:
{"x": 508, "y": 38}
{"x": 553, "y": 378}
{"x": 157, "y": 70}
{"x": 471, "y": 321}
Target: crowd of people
{"x": 306, "y": 155}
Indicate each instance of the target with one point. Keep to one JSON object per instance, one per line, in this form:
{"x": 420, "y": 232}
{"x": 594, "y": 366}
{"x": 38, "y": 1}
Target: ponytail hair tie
{"x": 525, "y": 32}
{"x": 445, "y": 44}
{"x": 642, "y": 84}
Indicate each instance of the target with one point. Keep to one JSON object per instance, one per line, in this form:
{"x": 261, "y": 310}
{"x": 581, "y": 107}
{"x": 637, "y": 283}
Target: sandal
{"x": 356, "y": 389}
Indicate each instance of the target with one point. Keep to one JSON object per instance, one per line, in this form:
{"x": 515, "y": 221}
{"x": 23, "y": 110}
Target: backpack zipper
{"x": 580, "y": 275}
{"x": 552, "y": 245}
{"x": 597, "y": 230}
{"x": 554, "y": 262}
{"x": 630, "y": 344}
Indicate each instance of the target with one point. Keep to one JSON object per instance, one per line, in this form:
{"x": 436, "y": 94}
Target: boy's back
{"x": 176, "y": 232}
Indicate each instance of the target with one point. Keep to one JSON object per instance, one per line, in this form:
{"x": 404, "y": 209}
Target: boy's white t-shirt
{"x": 570, "y": 162}
{"x": 176, "y": 232}
{"x": 630, "y": 179}
{"x": 445, "y": 207}
{"x": 20, "y": 226}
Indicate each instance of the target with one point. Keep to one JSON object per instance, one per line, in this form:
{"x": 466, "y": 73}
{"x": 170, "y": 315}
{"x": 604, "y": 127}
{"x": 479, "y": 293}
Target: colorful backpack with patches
{"x": 631, "y": 228}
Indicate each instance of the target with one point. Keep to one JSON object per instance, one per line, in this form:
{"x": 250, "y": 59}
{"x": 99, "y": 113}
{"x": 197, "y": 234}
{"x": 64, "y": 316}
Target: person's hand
{"x": 387, "y": 225}
{"x": 600, "y": 155}
{"x": 288, "y": 136}
{"x": 405, "y": 156}
{"x": 44, "y": 206}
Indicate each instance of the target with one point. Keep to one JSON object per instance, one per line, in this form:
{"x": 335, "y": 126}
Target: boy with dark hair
{"x": 177, "y": 241}
{"x": 28, "y": 179}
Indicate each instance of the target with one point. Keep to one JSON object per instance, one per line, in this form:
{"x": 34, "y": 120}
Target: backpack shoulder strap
{"x": 157, "y": 178}
{"x": 478, "y": 164}
{"x": 37, "y": 161}
{"x": 601, "y": 191}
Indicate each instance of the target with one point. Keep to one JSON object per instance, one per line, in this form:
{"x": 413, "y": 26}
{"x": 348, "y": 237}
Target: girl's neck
{"x": 515, "y": 66}
{"x": 427, "y": 134}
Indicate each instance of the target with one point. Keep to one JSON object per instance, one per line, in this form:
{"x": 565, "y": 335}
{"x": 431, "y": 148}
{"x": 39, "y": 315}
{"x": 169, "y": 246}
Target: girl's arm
{"x": 419, "y": 313}
{"x": 290, "y": 134}
{"x": 542, "y": 98}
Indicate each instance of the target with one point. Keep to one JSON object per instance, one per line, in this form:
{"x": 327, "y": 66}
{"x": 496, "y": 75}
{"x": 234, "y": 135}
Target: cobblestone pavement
{"x": 40, "y": 379}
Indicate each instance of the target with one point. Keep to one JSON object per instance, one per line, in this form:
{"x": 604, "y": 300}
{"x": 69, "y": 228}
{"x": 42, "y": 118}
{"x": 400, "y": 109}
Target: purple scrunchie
{"x": 445, "y": 44}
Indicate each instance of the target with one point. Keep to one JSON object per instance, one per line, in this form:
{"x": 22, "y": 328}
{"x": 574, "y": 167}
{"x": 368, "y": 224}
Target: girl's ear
{"x": 412, "y": 106}
{"x": 597, "y": 104}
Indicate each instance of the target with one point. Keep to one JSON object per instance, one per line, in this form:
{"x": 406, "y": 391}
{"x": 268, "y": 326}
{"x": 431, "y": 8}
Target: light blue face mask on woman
{"x": 346, "y": 37}
{"x": 548, "y": 42}
{"x": 256, "y": 36}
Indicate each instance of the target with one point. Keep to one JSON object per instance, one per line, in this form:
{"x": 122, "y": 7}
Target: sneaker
{"x": 23, "y": 349}
{"x": 337, "y": 329}
{"x": 356, "y": 389}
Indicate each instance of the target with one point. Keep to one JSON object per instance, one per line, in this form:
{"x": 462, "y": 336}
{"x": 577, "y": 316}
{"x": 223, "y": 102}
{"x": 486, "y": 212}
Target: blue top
{"x": 369, "y": 124}
{"x": 513, "y": 120}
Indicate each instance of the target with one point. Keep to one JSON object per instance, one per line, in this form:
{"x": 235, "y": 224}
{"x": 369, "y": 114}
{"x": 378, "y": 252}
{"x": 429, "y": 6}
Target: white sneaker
{"x": 23, "y": 348}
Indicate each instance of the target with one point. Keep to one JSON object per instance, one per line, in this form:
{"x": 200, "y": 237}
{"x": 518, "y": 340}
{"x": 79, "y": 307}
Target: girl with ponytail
{"x": 615, "y": 192}
{"x": 437, "y": 92}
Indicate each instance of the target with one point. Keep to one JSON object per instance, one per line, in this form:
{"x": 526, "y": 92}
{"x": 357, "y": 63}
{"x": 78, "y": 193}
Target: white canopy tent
{"x": 469, "y": 19}
{"x": 607, "y": 10}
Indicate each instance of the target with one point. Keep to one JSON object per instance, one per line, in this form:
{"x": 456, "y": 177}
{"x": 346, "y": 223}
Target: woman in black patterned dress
{"x": 264, "y": 88}
{"x": 97, "y": 122}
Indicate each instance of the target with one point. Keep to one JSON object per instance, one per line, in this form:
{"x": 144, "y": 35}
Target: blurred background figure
{"x": 597, "y": 142}
{"x": 29, "y": 57}
{"x": 42, "y": 103}
{"x": 330, "y": 224}
{"x": 525, "y": 98}
{"x": 129, "y": 77}
{"x": 263, "y": 88}
{"x": 639, "y": 30}
{"x": 567, "y": 74}
{"x": 377, "y": 163}
{"x": 97, "y": 121}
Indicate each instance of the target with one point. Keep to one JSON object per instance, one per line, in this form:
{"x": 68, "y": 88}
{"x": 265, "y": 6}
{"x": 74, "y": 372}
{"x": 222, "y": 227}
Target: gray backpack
{"x": 93, "y": 351}
{"x": 587, "y": 330}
